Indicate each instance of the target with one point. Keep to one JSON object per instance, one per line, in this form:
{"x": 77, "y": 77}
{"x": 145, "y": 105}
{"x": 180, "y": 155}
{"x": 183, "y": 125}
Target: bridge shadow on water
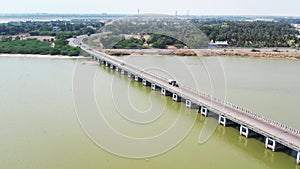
{"x": 254, "y": 147}
{"x": 258, "y": 137}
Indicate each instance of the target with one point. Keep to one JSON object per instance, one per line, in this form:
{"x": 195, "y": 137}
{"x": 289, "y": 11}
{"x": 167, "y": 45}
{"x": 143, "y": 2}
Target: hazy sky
{"x": 199, "y": 7}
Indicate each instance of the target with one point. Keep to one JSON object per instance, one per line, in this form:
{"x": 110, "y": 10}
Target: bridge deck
{"x": 279, "y": 132}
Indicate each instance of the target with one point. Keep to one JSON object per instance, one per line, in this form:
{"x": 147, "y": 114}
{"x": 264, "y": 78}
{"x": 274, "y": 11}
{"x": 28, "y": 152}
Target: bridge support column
{"x": 129, "y": 75}
{"x": 190, "y": 104}
{"x": 298, "y": 157}
{"x": 145, "y": 82}
{"x": 106, "y": 64}
{"x": 204, "y": 111}
{"x": 270, "y": 143}
{"x": 117, "y": 69}
{"x": 222, "y": 120}
{"x": 244, "y": 131}
{"x": 153, "y": 86}
{"x": 123, "y": 72}
{"x": 112, "y": 66}
{"x": 137, "y": 78}
{"x": 176, "y": 98}
{"x": 165, "y": 92}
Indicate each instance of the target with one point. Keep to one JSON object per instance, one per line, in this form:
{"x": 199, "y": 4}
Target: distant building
{"x": 218, "y": 44}
{"x": 55, "y": 29}
{"x": 91, "y": 27}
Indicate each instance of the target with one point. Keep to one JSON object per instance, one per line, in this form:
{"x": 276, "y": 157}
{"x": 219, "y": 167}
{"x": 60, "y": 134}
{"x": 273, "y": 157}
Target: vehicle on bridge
{"x": 173, "y": 82}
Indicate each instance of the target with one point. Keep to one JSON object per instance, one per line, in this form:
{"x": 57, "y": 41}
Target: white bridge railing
{"x": 145, "y": 74}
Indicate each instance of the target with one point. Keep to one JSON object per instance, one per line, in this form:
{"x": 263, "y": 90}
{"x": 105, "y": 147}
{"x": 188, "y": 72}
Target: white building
{"x": 218, "y": 44}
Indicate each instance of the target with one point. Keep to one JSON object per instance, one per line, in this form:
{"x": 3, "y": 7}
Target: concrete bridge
{"x": 276, "y": 135}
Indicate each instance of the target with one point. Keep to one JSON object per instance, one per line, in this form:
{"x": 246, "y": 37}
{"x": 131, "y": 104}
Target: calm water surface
{"x": 39, "y": 126}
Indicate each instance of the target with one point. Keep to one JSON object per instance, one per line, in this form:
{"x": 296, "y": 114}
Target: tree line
{"x": 34, "y": 46}
{"x": 155, "y": 41}
{"x": 252, "y": 34}
{"x": 62, "y": 30}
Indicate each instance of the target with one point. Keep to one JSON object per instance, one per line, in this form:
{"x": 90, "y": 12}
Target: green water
{"x": 39, "y": 127}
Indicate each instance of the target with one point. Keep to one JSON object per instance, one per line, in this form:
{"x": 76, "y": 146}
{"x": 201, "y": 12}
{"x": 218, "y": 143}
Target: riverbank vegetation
{"x": 59, "y": 29}
{"x": 15, "y": 37}
{"x": 249, "y": 34}
{"x": 252, "y": 34}
{"x": 33, "y": 46}
{"x": 149, "y": 41}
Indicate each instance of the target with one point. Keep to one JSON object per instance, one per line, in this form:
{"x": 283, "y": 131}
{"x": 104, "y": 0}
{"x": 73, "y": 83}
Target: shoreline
{"x": 41, "y": 56}
{"x": 271, "y": 53}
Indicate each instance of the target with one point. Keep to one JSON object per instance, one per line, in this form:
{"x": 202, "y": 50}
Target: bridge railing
{"x": 216, "y": 100}
{"x": 240, "y": 109}
{"x": 248, "y": 112}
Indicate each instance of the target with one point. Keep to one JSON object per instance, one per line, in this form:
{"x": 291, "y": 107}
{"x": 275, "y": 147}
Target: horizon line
{"x": 132, "y": 14}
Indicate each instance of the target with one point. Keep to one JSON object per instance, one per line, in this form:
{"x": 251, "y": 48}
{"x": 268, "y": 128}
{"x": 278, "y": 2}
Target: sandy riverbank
{"x": 277, "y": 53}
{"x": 42, "y": 56}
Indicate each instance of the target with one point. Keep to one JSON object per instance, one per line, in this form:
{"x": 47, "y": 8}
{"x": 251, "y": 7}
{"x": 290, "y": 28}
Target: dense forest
{"x": 252, "y": 34}
{"x": 59, "y": 29}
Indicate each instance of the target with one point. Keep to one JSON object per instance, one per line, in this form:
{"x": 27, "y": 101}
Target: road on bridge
{"x": 280, "y": 133}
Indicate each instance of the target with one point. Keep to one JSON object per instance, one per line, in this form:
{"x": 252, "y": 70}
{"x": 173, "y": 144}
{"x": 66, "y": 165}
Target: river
{"x": 40, "y": 127}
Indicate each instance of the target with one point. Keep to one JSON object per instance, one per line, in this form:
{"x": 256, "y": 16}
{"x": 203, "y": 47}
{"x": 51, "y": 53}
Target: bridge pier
{"x": 222, "y": 120}
{"x": 137, "y": 78}
{"x": 270, "y": 143}
{"x": 117, "y": 69}
{"x": 112, "y": 66}
{"x": 129, "y": 75}
{"x": 190, "y": 104}
{"x": 165, "y": 92}
{"x": 244, "y": 131}
{"x": 298, "y": 157}
{"x": 153, "y": 86}
{"x": 106, "y": 64}
{"x": 176, "y": 98}
{"x": 102, "y": 62}
{"x": 204, "y": 111}
{"x": 123, "y": 72}
{"x": 145, "y": 82}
